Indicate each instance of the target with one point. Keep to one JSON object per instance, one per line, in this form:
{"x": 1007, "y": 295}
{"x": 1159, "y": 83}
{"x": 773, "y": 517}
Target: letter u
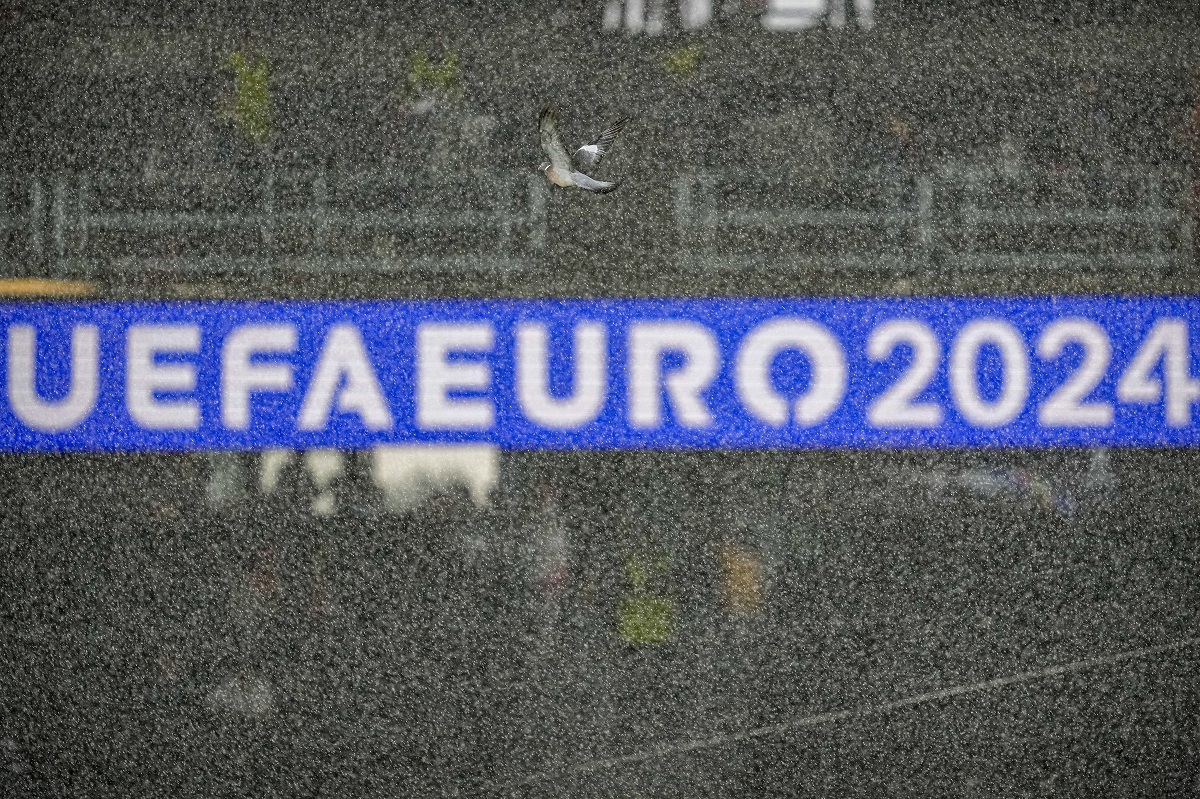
{"x": 533, "y": 377}
{"x": 68, "y": 412}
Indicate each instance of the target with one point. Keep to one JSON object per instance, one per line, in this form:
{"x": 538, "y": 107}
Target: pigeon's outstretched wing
{"x": 590, "y": 155}
{"x": 551, "y": 140}
{"x": 593, "y": 185}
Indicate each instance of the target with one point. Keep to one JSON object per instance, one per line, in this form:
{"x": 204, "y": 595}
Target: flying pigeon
{"x": 564, "y": 170}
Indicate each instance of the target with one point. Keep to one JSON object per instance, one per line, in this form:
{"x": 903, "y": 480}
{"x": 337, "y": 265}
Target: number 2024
{"x": 1066, "y": 406}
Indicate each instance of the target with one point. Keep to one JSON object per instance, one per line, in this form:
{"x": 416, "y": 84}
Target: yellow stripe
{"x": 44, "y": 287}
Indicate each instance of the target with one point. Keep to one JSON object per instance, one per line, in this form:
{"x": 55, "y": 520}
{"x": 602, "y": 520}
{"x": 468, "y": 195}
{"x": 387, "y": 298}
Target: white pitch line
{"x": 681, "y": 747}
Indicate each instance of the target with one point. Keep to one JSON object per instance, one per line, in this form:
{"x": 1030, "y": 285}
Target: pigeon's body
{"x": 560, "y": 177}
{"x": 566, "y": 171}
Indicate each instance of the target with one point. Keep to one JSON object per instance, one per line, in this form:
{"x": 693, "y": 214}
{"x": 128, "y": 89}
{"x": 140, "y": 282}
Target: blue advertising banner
{"x": 601, "y": 374}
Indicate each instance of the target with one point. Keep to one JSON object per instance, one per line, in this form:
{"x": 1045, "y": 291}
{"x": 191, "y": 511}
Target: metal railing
{"x": 964, "y": 217}
{"x": 972, "y": 216}
{"x": 85, "y": 218}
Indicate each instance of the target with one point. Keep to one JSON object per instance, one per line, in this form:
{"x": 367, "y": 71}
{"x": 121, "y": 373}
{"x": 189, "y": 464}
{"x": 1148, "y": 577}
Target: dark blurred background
{"x": 598, "y": 624}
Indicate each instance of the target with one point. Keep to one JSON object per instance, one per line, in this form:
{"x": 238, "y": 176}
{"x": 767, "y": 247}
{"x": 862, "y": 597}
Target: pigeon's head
{"x": 542, "y": 167}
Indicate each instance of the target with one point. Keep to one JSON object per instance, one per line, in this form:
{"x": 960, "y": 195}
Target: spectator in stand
{"x": 359, "y": 499}
{"x": 247, "y": 107}
{"x": 900, "y": 145}
{"x": 251, "y": 106}
{"x": 893, "y": 150}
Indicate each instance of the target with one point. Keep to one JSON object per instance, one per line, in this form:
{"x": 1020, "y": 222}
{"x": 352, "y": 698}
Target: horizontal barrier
{"x": 979, "y": 217}
{"x": 972, "y": 215}
{"x": 83, "y": 217}
{"x": 612, "y": 374}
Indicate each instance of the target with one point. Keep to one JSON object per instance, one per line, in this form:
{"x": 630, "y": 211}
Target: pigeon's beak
{"x": 542, "y": 167}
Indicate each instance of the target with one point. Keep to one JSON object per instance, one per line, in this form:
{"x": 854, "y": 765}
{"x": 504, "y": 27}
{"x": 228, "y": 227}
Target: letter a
{"x": 344, "y": 355}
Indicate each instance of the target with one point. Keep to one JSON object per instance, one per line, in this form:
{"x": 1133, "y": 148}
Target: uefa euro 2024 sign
{"x": 601, "y": 374}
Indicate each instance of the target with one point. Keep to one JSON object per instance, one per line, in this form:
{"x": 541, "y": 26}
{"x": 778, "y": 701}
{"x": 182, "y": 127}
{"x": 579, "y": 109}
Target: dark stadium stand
{"x": 1024, "y": 137}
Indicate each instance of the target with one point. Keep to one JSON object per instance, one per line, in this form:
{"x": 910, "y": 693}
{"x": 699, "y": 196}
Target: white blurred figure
{"x": 1100, "y": 479}
{"x": 1100, "y": 474}
{"x": 1011, "y": 157}
{"x": 410, "y": 474}
{"x": 802, "y": 14}
{"x": 794, "y": 14}
{"x": 695, "y": 13}
{"x": 856, "y": 13}
{"x": 247, "y": 695}
{"x": 655, "y": 17}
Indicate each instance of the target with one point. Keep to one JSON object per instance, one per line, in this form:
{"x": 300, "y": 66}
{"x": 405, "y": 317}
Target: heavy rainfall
{"x": 225, "y": 608}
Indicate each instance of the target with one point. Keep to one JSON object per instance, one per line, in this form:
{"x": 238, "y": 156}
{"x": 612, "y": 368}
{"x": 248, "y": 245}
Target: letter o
{"x": 758, "y": 350}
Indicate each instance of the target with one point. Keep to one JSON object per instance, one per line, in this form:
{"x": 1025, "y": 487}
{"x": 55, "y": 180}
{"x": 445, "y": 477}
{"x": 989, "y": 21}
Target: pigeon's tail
{"x": 594, "y": 186}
